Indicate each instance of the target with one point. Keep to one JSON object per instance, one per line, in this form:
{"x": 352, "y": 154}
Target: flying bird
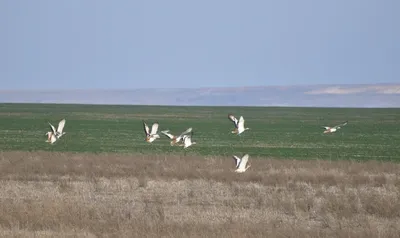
{"x": 187, "y": 140}
{"x": 241, "y": 163}
{"x": 239, "y": 124}
{"x": 176, "y": 139}
{"x": 151, "y": 136}
{"x": 54, "y": 135}
{"x": 333, "y": 129}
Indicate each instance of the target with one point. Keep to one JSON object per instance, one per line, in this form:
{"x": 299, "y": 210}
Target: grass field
{"x": 275, "y": 132}
{"x": 103, "y": 180}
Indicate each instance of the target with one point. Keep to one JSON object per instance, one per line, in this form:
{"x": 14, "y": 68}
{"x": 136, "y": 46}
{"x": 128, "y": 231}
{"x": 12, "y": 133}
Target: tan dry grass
{"x": 109, "y": 195}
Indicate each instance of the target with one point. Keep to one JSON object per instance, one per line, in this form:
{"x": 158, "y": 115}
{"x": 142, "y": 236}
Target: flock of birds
{"x": 185, "y": 138}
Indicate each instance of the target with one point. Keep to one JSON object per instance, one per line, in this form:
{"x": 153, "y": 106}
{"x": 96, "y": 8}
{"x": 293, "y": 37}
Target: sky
{"x": 128, "y": 44}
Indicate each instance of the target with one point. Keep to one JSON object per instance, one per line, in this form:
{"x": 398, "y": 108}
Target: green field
{"x": 279, "y": 132}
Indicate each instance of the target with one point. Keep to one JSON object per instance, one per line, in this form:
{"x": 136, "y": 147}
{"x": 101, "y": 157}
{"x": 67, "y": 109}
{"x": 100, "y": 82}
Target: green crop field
{"x": 274, "y": 131}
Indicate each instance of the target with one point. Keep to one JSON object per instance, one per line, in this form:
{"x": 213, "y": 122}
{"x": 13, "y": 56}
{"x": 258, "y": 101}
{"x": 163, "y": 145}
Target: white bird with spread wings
{"x": 187, "y": 140}
{"x": 239, "y": 124}
{"x": 241, "y": 163}
{"x": 151, "y": 135}
{"x": 54, "y": 135}
{"x": 176, "y": 139}
{"x": 333, "y": 129}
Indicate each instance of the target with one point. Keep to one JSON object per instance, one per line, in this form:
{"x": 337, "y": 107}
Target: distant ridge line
{"x": 350, "y": 95}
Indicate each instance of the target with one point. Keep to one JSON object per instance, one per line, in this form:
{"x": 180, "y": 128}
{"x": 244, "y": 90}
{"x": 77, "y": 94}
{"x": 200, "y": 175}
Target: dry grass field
{"x": 64, "y": 194}
{"x": 103, "y": 180}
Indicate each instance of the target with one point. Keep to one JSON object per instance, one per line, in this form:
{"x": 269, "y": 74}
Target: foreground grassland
{"x": 57, "y": 194}
{"x": 103, "y": 180}
{"x": 275, "y": 132}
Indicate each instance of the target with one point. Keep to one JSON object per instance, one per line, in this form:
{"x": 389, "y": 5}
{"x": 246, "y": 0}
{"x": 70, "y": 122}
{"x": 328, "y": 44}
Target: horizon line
{"x": 184, "y": 105}
{"x": 188, "y": 88}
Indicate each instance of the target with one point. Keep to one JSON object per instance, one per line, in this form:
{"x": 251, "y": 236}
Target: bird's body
{"x": 54, "y": 135}
{"x": 241, "y": 163}
{"x": 239, "y": 124}
{"x": 187, "y": 140}
{"x": 51, "y": 137}
{"x": 176, "y": 139}
{"x": 151, "y": 135}
{"x": 333, "y": 129}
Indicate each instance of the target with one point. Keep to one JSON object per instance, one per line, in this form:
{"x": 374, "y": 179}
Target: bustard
{"x": 176, "y": 139}
{"x": 187, "y": 140}
{"x": 54, "y": 135}
{"x": 241, "y": 163}
{"x": 333, "y": 129}
{"x": 239, "y": 124}
{"x": 151, "y": 135}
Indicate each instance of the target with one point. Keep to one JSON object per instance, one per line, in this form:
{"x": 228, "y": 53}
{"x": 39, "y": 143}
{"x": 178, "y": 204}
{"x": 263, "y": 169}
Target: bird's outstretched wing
{"x": 343, "y": 124}
{"x": 169, "y": 135}
{"x": 241, "y": 122}
{"x": 146, "y": 128}
{"x": 181, "y": 136}
{"x": 233, "y": 119}
{"x": 237, "y": 161}
{"x": 154, "y": 128}
{"x": 187, "y": 131}
{"x": 340, "y": 125}
{"x": 61, "y": 125}
{"x": 243, "y": 161}
{"x": 53, "y": 129}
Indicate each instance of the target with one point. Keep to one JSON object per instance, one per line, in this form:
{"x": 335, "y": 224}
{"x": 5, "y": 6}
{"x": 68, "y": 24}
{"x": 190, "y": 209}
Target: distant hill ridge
{"x": 365, "y": 95}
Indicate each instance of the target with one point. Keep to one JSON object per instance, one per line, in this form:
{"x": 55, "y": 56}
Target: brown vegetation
{"x": 47, "y": 194}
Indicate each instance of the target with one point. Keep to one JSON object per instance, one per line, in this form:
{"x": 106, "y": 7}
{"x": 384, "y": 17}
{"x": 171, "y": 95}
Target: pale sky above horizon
{"x": 99, "y": 44}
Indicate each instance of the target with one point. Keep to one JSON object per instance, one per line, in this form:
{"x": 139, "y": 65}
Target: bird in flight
{"x": 187, "y": 140}
{"x": 176, "y": 139}
{"x": 239, "y": 124}
{"x": 241, "y": 163}
{"x": 54, "y": 135}
{"x": 333, "y": 129}
{"x": 151, "y": 135}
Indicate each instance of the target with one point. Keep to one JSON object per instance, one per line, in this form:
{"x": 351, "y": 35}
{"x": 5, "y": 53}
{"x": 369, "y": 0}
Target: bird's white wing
{"x": 343, "y": 124}
{"x": 154, "y": 128}
{"x": 233, "y": 118}
{"x": 167, "y": 134}
{"x": 52, "y": 128}
{"x": 241, "y": 122}
{"x": 187, "y": 131}
{"x": 184, "y": 133}
{"x": 237, "y": 160}
{"x": 326, "y": 127}
{"x": 146, "y": 128}
{"x": 243, "y": 161}
{"x": 61, "y": 125}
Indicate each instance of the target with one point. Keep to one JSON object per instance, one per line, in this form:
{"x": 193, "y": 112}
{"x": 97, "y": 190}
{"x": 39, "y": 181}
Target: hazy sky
{"x": 77, "y": 44}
